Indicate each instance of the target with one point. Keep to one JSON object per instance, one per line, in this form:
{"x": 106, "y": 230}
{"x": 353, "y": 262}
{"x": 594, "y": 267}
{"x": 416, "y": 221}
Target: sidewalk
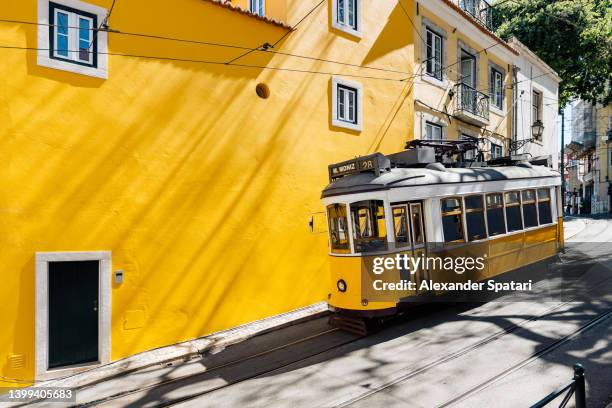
{"x": 573, "y": 226}
{"x": 145, "y": 366}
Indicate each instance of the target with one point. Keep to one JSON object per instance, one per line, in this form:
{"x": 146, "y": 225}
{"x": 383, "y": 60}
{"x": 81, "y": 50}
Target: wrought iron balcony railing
{"x": 480, "y": 10}
{"x": 472, "y": 101}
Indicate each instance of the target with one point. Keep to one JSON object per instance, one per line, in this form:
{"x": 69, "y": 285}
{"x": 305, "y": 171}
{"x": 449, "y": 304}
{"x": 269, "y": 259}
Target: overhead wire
{"x": 282, "y": 37}
{"x": 219, "y": 63}
{"x": 216, "y": 44}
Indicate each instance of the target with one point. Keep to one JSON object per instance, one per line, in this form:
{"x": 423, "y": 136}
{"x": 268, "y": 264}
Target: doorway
{"x": 467, "y": 79}
{"x": 72, "y": 312}
{"x": 409, "y": 232}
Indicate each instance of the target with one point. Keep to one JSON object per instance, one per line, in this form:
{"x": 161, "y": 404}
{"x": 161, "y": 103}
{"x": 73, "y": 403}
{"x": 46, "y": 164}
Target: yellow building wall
{"x": 201, "y": 189}
{"x": 500, "y": 123}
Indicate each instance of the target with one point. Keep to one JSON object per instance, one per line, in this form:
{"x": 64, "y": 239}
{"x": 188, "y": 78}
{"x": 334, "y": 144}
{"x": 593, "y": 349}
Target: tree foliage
{"x": 574, "y": 37}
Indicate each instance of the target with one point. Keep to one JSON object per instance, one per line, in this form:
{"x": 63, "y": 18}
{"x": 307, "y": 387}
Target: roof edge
{"x": 470, "y": 18}
{"x": 516, "y": 43}
{"x": 228, "y": 5}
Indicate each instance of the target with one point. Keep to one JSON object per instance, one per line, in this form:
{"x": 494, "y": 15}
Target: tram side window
{"x": 530, "y": 214}
{"x": 474, "y": 218}
{"x": 544, "y": 209}
{"x": 513, "y": 211}
{"x": 369, "y": 231}
{"x": 495, "y": 214}
{"x": 338, "y": 232}
{"x": 400, "y": 224}
{"x": 452, "y": 219}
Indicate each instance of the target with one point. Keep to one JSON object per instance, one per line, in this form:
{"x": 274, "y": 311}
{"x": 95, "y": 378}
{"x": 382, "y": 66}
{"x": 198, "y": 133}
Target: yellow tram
{"x": 382, "y": 207}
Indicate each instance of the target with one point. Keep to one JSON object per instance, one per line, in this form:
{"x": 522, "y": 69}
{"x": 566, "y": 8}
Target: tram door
{"x": 418, "y": 239}
{"x": 410, "y": 236}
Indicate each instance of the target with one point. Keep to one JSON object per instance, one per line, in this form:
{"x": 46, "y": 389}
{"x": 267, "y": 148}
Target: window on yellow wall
{"x": 496, "y": 88}
{"x": 72, "y": 35}
{"x": 347, "y": 104}
{"x": 346, "y": 16}
{"x": 433, "y": 64}
{"x": 257, "y": 7}
{"x": 68, "y": 37}
{"x": 433, "y": 131}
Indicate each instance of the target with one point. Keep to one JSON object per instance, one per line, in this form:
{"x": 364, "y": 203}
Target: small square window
{"x": 68, "y": 37}
{"x": 433, "y": 131}
{"x": 71, "y": 34}
{"x": 346, "y": 96}
{"x": 346, "y": 16}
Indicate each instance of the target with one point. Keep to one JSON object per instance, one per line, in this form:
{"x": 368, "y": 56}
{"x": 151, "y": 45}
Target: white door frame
{"x": 41, "y": 314}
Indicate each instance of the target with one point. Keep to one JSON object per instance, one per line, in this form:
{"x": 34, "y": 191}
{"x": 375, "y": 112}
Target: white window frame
{"x": 41, "y": 314}
{"x": 71, "y": 64}
{"x": 470, "y": 154}
{"x": 355, "y": 29}
{"x": 493, "y": 147}
{"x": 537, "y": 105}
{"x": 258, "y": 7}
{"x": 74, "y": 37}
{"x": 433, "y": 125}
{"x": 493, "y": 90}
{"x": 434, "y": 35}
{"x": 357, "y": 87}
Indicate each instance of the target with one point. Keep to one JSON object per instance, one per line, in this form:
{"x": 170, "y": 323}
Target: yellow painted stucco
{"x": 202, "y": 190}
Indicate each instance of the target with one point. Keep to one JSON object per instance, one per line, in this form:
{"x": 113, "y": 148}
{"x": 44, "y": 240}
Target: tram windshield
{"x": 338, "y": 230}
{"x": 368, "y": 221}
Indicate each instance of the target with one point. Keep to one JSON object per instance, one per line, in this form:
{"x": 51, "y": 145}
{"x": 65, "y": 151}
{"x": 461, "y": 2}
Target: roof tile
{"x": 228, "y": 5}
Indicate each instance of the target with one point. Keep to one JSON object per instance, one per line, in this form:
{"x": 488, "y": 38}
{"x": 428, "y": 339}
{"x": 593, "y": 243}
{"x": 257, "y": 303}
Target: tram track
{"x": 507, "y": 330}
{"x": 602, "y": 317}
{"x": 457, "y": 354}
{"x": 495, "y": 336}
{"x": 412, "y": 373}
{"x": 213, "y": 369}
{"x": 452, "y": 356}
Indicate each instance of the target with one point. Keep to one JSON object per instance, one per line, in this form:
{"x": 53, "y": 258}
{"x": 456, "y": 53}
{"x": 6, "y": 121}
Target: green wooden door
{"x": 73, "y": 312}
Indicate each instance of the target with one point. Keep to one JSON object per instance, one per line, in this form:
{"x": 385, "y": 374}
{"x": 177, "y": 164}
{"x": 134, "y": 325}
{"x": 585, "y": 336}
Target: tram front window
{"x": 338, "y": 231}
{"x": 369, "y": 231}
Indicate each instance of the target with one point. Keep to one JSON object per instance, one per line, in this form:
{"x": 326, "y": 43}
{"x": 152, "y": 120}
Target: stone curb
{"x": 186, "y": 350}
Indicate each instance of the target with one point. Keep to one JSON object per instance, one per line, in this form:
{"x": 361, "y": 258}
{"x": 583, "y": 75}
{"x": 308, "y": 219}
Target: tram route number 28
{"x": 353, "y": 166}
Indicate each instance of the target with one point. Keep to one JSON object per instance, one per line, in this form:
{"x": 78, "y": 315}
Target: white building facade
{"x": 535, "y": 97}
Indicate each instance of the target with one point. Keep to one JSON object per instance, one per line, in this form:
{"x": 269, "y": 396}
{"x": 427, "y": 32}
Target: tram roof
{"x": 434, "y": 175}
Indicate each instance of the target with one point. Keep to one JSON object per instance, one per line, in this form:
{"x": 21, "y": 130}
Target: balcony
{"x": 480, "y": 10}
{"x": 472, "y": 105}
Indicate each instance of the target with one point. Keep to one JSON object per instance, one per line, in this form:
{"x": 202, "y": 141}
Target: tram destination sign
{"x": 373, "y": 163}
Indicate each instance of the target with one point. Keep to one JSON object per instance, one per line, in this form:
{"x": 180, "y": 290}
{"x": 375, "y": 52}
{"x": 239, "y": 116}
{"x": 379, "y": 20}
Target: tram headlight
{"x": 341, "y": 284}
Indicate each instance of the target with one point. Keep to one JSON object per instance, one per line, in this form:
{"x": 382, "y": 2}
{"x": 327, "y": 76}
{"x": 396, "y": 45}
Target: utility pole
{"x": 562, "y": 160}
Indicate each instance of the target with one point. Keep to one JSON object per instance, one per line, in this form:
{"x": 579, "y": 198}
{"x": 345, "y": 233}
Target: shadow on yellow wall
{"x": 201, "y": 189}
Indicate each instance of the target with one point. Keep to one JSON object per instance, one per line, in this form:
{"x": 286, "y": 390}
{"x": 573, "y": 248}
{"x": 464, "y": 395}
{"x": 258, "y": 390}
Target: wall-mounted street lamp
{"x": 537, "y": 129}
